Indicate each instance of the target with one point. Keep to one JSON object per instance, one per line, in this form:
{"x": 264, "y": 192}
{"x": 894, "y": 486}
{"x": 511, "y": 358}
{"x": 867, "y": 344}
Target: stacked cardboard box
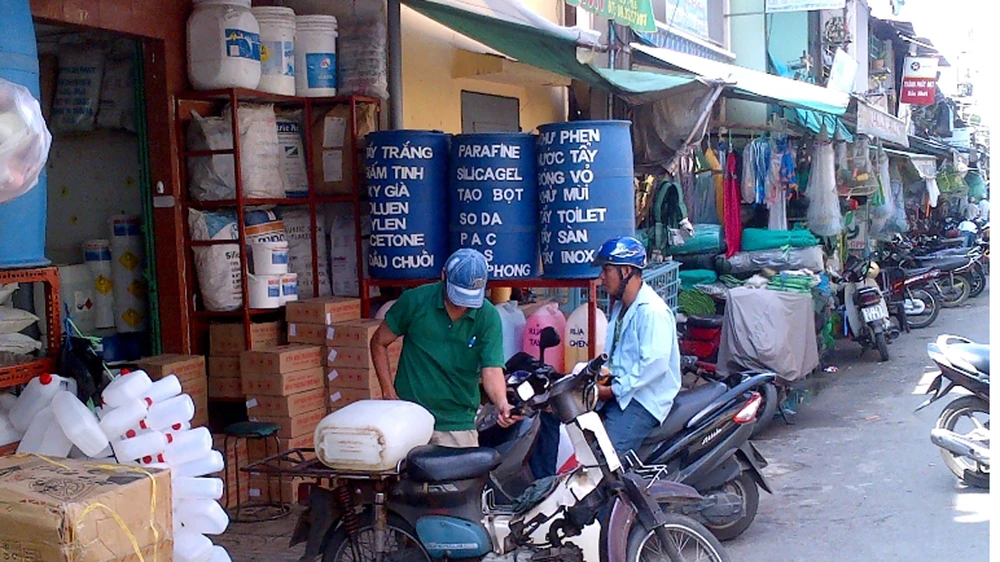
{"x": 226, "y": 343}
{"x": 190, "y": 370}
{"x": 350, "y": 371}
{"x": 237, "y": 450}
{"x": 284, "y": 385}
{"x": 310, "y": 321}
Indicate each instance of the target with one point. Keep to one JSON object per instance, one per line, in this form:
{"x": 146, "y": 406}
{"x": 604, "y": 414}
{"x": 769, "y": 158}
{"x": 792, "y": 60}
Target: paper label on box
{"x": 334, "y": 131}
{"x": 333, "y": 375}
{"x": 333, "y": 166}
{"x": 329, "y": 318}
{"x": 255, "y": 493}
{"x": 336, "y": 396}
{"x": 330, "y": 333}
{"x": 251, "y": 403}
{"x": 332, "y": 355}
{"x": 291, "y": 329}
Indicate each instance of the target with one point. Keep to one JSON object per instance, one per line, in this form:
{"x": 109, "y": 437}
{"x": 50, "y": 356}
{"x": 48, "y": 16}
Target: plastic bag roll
{"x": 97, "y": 256}
{"x": 126, "y": 273}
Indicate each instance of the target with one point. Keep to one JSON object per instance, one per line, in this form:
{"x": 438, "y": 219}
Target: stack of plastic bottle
{"x": 141, "y": 422}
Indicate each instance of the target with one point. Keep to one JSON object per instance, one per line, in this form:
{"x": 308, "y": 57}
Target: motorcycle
{"x": 967, "y": 364}
{"x": 704, "y": 438}
{"x": 864, "y": 308}
{"x": 910, "y": 295}
{"x": 437, "y": 505}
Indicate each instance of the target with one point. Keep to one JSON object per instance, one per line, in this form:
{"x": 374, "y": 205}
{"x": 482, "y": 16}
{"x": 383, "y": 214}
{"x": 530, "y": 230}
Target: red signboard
{"x": 919, "y": 80}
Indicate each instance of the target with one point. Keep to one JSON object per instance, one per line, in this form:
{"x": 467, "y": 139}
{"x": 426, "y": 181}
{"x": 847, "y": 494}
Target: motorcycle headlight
{"x": 873, "y": 270}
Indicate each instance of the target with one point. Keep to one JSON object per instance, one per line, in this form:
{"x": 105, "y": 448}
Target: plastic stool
{"x": 257, "y": 512}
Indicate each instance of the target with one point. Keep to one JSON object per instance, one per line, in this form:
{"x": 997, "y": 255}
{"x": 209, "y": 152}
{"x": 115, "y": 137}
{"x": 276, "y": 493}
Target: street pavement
{"x": 856, "y": 479}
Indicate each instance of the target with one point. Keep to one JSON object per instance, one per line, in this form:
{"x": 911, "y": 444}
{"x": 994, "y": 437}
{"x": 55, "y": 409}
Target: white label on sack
{"x": 251, "y": 403}
{"x": 291, "y": 329}
{"x": 330, "y": 333}
{"x": 336, "y": 396}
{"x": 333, "y": 165}
{"x": 332, "y": 356}
{"x": 334, "y": 131}
{"x": 333, "y": 375}
{"x": 255, "y": 493}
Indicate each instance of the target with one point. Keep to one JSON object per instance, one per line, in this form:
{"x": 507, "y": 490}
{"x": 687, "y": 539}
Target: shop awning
{"x": 511, "y": 28}
{"x": 745, "y": 82}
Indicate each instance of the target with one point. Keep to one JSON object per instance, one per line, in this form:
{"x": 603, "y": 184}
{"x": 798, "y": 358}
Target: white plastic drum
{"x": 269, "y": 258}
{"x": 315, "y": 56}
{"x": 277, "y": 49}
{"x": 289, "y": 288}
{"x": 223, "y": 45}
{"x": 264, "y": 291}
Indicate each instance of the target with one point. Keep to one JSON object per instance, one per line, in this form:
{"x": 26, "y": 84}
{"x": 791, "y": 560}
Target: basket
{"x": 662, "y": 277}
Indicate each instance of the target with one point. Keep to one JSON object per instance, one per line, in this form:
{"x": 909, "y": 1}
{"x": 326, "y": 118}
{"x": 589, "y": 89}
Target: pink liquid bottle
{"x": 546, "y": 316}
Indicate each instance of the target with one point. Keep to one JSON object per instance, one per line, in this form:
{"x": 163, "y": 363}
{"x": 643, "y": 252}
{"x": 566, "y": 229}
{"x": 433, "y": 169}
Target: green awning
{"x": 515, "y": 31}
{"x": 745, "y": 82}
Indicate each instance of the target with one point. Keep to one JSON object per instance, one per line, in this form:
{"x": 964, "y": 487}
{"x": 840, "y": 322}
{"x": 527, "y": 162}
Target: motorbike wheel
{"x": 955, "y": 291}
{"x": 882, "y": 346}
{"x": 978, "y": 280}
{"x": 401, "y": 536}
{"x": 965, "y": 469}
{"x": 746, "y": 488}
{"x": 690, "y": 538}
{"x": 766, "y": 416}
{"x": 931, "y": 309}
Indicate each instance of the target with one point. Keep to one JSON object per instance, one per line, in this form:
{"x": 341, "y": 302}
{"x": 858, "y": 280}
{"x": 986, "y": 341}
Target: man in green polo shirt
{"x": 452, "y": 339}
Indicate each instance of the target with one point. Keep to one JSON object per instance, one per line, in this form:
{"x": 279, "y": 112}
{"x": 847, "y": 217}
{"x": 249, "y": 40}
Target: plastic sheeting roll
{"x": 97, "y": 256}
{"x": 126, "y": 273}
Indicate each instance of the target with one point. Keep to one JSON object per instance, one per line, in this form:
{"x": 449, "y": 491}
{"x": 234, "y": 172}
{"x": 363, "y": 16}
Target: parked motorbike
{"x": 437, "y": 505}
{"x": 964, "y": 268}
{"x": 911, "y": 295}
{"x": 863, "y": 306}
{"x": 966, "y": 448}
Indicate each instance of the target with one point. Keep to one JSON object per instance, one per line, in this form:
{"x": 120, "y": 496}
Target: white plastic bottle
{"x": 7, "y": 401}
{"x": 78, "y": 423}
{"x": 33, "y": 399}
{"x": 146, "y": 444}
{"x": 208, "y": 464}
{"x": 202, "y": 516}
{"x": 127, "y": 386}
{"x": 219, "y": 554}
{"x": 186, "y": 446}
{"x": 192, "y": 547}
{"x": 162, "y": 415}
{"x": 162, "y": 390}
{"x": 223, "y": 45}
{"x": 186, "y": 487}
{"x": 45, "y": 436}
{"x": 118, "y": 420}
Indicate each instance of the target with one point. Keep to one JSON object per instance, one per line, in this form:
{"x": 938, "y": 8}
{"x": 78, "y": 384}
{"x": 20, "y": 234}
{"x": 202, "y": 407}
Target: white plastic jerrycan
{"x": 186, "y": 446}
{"x": 163, "y": 415}
{"x": 162, "y": 390}
{"x": 512, "y": 322}
{"x": 202, "y": 516}
{"x": 220, "y": 554}
{"x": 187, "y": 487}
{"x": 78, "y": 423}
{"x": 208, "y": 464}
{"x": 117, "y": 421}
{"x": 577, "y": 339}
{"x": 45, "y": 437}
{"x": 8, "y": 433}
{"x": 548, "y": 315}
{"x": 129, "y": 385}
{"x": 35, "y": 397}
{"x": 190, "y": 546}
{"x": 145, "y": 445}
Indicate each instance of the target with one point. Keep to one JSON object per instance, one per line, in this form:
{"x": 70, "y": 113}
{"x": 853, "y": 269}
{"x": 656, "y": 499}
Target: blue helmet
{"x": 623, "y": 250}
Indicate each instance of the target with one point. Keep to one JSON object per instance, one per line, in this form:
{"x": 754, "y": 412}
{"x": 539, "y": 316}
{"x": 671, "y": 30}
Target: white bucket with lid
{"x": 277, "y": 49}
{"x": 223, "y": 45}
{"x": 269, "y": 258}
{"x": 289, "y": 288}
{"x": 315, "y": 56}
{"x": 264, "y": 291}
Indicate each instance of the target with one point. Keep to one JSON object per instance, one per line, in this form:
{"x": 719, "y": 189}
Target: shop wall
{"x": 747, "y": 43}
{"x": 161, "y": 25}
{"x": 432, "y": 97}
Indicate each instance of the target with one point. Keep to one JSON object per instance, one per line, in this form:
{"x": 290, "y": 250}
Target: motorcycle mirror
{"x": 548, "y": 338}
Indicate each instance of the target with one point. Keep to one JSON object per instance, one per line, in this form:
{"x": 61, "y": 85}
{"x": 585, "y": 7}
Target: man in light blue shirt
{"x": 642, "y": 347}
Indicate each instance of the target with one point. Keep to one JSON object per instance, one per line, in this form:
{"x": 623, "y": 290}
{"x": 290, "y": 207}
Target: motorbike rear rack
{"x": 295, "y": 464}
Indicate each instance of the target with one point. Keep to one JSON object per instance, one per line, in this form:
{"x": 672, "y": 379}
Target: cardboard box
{"x": 259, "y": 449}
{"x": 302, "y": 424}
{"x": 228, "y": 499}
{"x": 277, "y": 384}
{"x": 197, "y": 389}
{"x": 353, "y": 334}
{"x": 340, "y": 397}
{"x": 223, "y": 367}
{"x": 226, "y": 340}
{"x": 290, "y": 406}
{"x": 324, "y": 310}
{"x": 287, "y": 490}
{"x": 225, "y": 387}
{"x": 361, "y": 379}
{"x": 50, "y": 514}
{"x": 280, "y": 359}
{"x": 184, "y": 366}
{"x": 360, "y": 358}
{"x": 311, "y": 334}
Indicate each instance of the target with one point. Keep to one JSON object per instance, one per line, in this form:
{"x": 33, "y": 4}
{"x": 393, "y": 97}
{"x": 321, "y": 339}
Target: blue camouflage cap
{"x": 465, "y": 278}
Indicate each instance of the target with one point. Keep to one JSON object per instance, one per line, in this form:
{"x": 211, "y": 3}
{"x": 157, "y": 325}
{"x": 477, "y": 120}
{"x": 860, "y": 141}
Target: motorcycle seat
{"x": 948, "y": 252}
{"x": 433, "y": 463}
{"x": 975, "y": 354}
{"x": 917, "y": 271}
{"x": 707, "y": 321}
{"x": 944, "y": 264}
{"x": 686, "y": 405}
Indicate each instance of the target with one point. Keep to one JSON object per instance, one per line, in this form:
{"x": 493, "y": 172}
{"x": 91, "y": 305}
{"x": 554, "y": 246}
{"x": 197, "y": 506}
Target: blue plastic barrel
{"x": 493, "y": 201}
{"x": 407, "y": 175}
{"x": 22, "y": 220}
{"x": 585, "y": 193}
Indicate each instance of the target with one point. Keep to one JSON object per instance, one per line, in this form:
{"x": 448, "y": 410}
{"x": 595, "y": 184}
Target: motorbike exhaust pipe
{"x": 955, "y": 443}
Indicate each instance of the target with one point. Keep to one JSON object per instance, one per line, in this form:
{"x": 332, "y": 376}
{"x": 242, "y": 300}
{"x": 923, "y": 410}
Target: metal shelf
{"x": 14, "y": 375}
